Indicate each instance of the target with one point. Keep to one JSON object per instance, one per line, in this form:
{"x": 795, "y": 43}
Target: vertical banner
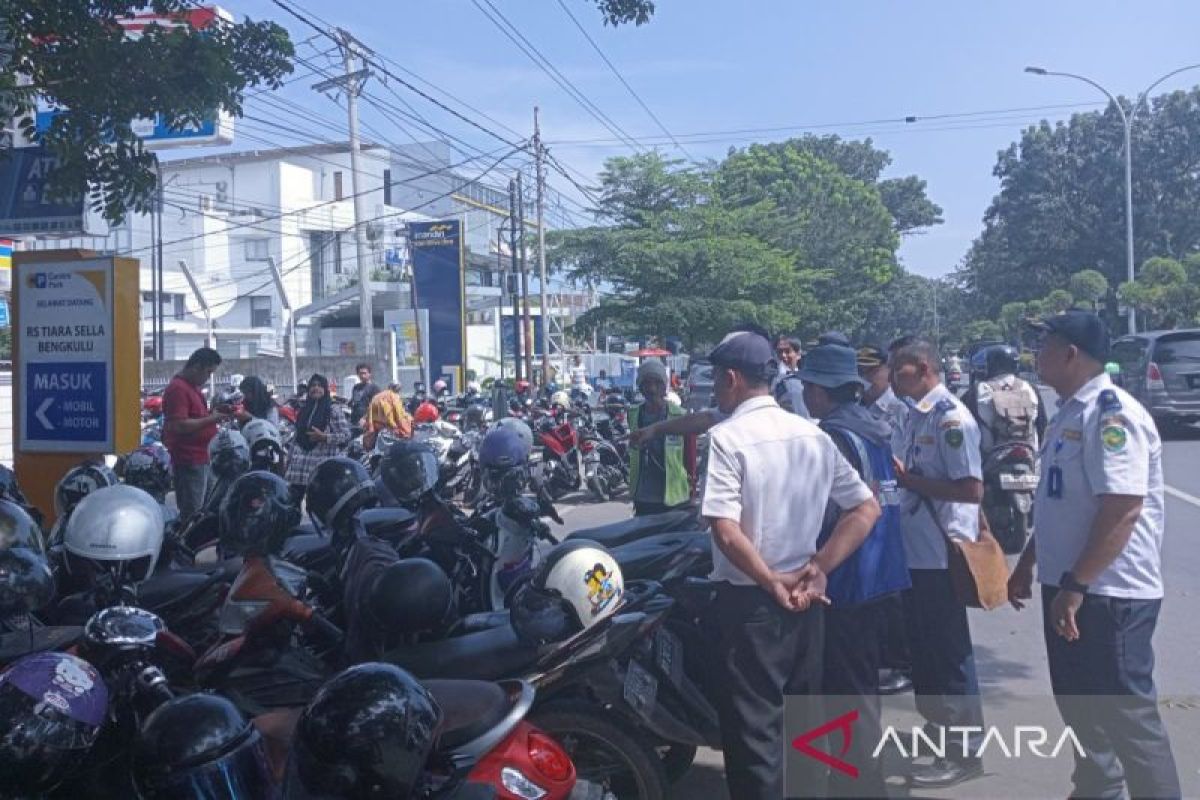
{"x": 510, "y": 324}
{"x": 437, "y": 266}
{"x": 6, "y": 252}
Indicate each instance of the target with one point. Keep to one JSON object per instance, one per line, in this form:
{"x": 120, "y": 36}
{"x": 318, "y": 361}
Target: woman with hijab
{"x": 322, "y": 430}
{"x": 257, "y": 402}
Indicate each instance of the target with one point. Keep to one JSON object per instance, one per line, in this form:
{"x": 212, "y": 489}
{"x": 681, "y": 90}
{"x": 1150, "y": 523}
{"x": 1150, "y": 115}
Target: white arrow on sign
{"x": 41, "y": 413}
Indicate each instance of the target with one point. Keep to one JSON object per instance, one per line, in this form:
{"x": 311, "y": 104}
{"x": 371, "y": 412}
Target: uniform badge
{"x": 945, "y": 404}
{"x": 1072, "y": 435}
{"x": 1114, "y": 438}
{"x": 1109, "y": 400}
{"x": 947, "y": 424}
{"x": 954, "y": 437}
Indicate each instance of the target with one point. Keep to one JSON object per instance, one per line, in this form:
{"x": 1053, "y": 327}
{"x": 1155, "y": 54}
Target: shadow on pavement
{"x": 995, "y": 670}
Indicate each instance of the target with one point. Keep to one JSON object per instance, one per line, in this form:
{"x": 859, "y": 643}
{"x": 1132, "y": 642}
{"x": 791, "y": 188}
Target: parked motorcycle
{"x": 1010, "y": 479}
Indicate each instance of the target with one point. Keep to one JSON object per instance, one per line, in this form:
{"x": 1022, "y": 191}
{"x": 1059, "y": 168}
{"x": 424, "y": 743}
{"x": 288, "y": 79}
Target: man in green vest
{"x": 658, "y": 474}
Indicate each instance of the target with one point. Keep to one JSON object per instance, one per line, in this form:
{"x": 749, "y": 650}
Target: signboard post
{"x": 438, "y": 267}
{"x": 77, "y": 365}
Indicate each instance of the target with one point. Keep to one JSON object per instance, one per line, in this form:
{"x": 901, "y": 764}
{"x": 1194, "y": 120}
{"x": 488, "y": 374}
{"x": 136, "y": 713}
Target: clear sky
{"x": 714, "y": 66}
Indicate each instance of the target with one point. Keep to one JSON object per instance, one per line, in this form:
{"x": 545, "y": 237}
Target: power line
{"x": 530, "y": 50}
{"x": 624, "y": 82}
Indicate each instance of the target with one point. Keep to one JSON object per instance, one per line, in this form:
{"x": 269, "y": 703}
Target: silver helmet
{"x": 117, "y": 529}
{"x": 228, "y": 454}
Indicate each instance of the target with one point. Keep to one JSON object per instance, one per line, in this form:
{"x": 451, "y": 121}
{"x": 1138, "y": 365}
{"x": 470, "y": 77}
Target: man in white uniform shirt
{"x": 1098, "y": 549}
{"x": 939, "y": 469}
{"x": 770, "y": 476}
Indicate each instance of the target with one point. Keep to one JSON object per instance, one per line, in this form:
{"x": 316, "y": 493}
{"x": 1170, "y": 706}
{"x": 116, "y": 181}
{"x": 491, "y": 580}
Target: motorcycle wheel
{"x": 677, "y": 760}
{"x": 622, "y": 761}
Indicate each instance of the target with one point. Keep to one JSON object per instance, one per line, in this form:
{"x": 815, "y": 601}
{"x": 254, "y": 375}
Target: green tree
{"x": 1060, "y": 207}
{"x": 76, "y": 56}
{"x": 1059, "y": 300}
{"x": 1089, "y": 286}
{"x": 1012, "y": 319}
{"x": 620, "y": 12}
{"x": 982, "y": 330}
{"x": 1166, "y": 291}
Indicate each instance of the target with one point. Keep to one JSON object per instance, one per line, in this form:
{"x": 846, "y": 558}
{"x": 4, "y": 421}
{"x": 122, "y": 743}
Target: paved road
{"x": 1011, "y": 653}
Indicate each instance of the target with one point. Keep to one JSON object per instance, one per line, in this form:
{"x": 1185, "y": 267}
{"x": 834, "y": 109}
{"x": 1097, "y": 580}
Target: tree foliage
{"x": 620, "y": 12}
{"x": 77, "y": 56}
{"x": 1061, "y": 203}
{"x": 780, "y": 234}
{"x": 1088, "y": 286}
{"x": 1166, "y": 291}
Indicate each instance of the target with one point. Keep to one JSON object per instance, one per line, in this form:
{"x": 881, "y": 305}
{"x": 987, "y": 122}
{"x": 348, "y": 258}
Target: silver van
{"x": 1162, "y": 370}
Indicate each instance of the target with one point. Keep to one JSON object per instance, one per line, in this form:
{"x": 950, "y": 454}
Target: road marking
{"x": 1184, "y": 496}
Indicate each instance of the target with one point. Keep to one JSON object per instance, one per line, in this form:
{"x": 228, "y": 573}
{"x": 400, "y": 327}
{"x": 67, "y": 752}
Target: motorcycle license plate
{"x": 641, "y": 688}
{"x": 1019, "y": 483}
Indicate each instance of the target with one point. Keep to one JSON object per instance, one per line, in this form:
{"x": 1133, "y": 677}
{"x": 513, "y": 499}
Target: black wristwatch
{"x": 1068, "y": 583}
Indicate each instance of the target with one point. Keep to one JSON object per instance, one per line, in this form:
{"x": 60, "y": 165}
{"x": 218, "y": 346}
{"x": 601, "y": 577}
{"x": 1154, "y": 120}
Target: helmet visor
{"x": 245, "y": 772}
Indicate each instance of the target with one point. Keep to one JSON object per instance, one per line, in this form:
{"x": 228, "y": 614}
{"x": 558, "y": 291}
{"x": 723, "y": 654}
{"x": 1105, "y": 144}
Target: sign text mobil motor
{"x": 65, "y": 329}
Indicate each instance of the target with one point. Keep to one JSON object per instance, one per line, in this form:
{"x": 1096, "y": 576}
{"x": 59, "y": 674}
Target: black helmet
{"x": 395, "y": 723}
{"x": 149, "y": 469}
{"x": 257, "y": 515}
{"x": 17, "y": 528}
{"x": 475, "y": 416}
{"x": 1001, "y": 359}
{"x": 228, "y": 454}
{"x": 413, "y": 595}
{"x": 200, "y": 746}
{"x": 78, "y": 483}
{"x": 9, "y": 488}
{"x": 339, "y": 488}
{"x": 409, "y": 469}
{"x": 52, "y": 706}
{"x": 26, "y": 583}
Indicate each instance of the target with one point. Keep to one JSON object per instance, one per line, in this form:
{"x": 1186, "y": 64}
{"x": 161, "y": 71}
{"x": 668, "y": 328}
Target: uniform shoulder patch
{"x": 1109, "y": 400}
{"x": 1113, "y": 436}
{"x": 954, "y": 437}
{"x": 944, "y": 405}
{"x": 953, "y": 422}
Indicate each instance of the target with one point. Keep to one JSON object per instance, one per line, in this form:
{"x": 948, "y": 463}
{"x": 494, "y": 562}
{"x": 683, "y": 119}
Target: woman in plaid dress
{"x": 322, "y": 430}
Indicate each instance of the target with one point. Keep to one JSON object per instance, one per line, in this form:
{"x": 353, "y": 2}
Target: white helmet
{"x": 235, "y": 380}
{"x": 560, "y": 398}
{"x": 228, "y": 454}
{"x": 118, "y": 529}
{"x": 473, "y": 387}
{"x": 577, "y": 586}
{"x": 265, "y": 443}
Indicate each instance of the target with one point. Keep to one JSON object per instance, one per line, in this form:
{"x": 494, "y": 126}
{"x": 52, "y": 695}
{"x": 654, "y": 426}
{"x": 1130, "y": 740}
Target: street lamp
{"x": 1127, "y": 124}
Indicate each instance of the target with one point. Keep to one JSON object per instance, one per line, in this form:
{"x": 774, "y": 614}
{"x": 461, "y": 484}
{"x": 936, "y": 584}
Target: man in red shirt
{"x": 188, "y": 428}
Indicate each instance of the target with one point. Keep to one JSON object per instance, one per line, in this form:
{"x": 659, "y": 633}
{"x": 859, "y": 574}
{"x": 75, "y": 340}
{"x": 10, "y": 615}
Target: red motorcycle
{"x": 562, "y": 457}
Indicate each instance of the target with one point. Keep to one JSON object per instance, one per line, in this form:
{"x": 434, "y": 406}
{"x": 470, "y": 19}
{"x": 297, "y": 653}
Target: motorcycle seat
{"x": 483, "y": 621}
{"x": 173, "y": 587}
{"x": 389, "y": 524}
{"x": 304, "y": 544}
{"x": 486, "y": 655}
{"x": 628, "y": 530}
{"x": 649, "y": 557}
{"x": 469, "y": 709}
{"x": 18, "y": 644}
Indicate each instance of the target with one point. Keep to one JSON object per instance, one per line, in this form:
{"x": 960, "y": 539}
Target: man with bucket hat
{"x": 873, "y": 576}
{"x": 770, "y": 476}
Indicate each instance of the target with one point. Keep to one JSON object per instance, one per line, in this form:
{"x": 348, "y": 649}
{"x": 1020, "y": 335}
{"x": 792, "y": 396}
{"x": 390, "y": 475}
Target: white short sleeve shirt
{"x": 940, "y": 440}
{"x": 1102, "y": 441}
{"x": 774, "y": 472}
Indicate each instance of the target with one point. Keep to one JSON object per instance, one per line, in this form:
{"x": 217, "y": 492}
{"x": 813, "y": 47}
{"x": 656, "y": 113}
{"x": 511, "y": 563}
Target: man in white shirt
{"x": 579, "y": 374}
{"x": 770, "y": 476}
{"x": 1098, "y": 550}
{"x": 939, "y": 469}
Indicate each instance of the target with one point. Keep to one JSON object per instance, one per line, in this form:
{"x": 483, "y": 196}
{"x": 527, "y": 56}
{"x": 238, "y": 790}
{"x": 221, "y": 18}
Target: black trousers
{"x": 766, "y": 652}
{"x": 896, "y": 652}
{"x": 943, "y": 658}
{"x": 854, "y": 641}
{"x": 1104, "y": 687}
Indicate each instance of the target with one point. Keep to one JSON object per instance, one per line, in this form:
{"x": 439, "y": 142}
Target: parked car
{"x": 699, "y": 387}
{"x": 1162, "y": 370}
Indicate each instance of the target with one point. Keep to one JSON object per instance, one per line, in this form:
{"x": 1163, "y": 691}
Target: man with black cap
{"x": 1098, "y": 550}
{"x": 770, "y": 476}
{"x": 879, "y": 398}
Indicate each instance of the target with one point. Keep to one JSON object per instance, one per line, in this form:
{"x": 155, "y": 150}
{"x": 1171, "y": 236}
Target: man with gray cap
{"x": 659, "y": 475}
{"x": 770, "y": 476}
{"x": 1098, "y": 550}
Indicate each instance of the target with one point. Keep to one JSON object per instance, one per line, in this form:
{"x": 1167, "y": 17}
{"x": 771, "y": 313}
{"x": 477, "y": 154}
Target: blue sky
{"x": 717, "y": 65}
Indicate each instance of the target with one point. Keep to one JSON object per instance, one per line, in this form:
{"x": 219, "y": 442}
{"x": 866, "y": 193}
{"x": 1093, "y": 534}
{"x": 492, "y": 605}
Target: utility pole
{"x": 525, "y": 285}
{"x": 352, "y": 83}
{"x": 513, "y": 216}
{"x": 544, "y": 324}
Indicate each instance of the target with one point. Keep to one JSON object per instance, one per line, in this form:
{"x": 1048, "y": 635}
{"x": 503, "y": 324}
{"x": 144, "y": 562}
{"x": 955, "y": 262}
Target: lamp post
{"x": 1127, "y": 123}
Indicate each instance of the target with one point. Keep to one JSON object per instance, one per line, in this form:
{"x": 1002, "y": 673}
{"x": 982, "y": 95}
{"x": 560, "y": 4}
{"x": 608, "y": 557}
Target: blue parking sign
{"x": 66, "y": 401}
